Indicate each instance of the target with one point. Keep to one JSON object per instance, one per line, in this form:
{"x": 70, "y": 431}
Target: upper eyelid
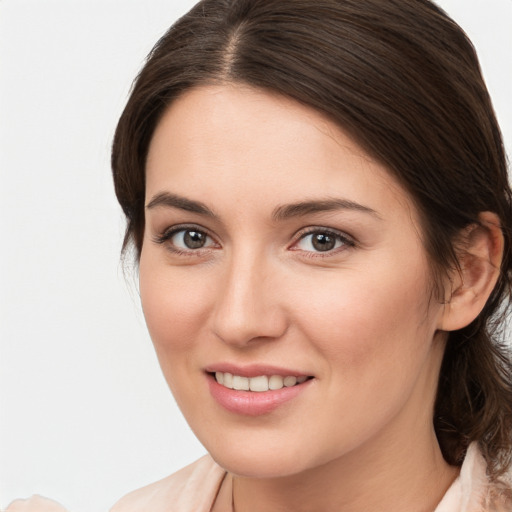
{"x": 166, "y": 234}
{"x": 351, "y": 242}
{"x": 184, "y": 227}
{"x": 322, "y": 229}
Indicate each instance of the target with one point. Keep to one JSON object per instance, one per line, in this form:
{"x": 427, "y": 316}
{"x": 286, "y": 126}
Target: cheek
{"x": 175, "y": 310}
{"x": 174, "y": 306}
{"x": 375, "y": 319}
{"x": 374, "y": 336}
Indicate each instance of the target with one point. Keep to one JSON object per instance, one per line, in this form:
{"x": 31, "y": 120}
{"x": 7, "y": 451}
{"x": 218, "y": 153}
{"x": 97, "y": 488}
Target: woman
{"x": 317, "y": 196}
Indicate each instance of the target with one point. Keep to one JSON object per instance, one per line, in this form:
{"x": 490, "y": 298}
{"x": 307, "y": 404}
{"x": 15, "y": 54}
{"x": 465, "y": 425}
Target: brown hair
{"x": 403, "y": 79}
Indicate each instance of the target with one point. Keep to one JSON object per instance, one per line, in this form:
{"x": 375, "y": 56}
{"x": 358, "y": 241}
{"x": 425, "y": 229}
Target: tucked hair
{"x": 404, "y": 81}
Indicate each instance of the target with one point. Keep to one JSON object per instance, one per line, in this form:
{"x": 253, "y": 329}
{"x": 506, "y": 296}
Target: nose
{"x": 249, "y": 305}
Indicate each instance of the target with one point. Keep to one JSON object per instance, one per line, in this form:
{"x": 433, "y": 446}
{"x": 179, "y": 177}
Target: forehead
{"x": 243, "y": 143}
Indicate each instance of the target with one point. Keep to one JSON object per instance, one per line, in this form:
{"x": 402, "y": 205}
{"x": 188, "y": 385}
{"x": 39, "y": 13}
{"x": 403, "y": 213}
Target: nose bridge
{"x": 247, "y": 306}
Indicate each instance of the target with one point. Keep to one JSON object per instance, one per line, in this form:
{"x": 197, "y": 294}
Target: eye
{"x": 180, "y": 239}
{"x": 321, "y": 240}
{"x": 190, "y": 239}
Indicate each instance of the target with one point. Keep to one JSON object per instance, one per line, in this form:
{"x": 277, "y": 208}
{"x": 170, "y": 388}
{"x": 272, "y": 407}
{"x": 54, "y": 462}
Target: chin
{"x": 255, "y": 459}
{"x": 258, "y": 466}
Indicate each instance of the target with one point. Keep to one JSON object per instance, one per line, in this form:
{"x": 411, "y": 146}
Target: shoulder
{"x": 499, "y": 498}
{"x": 479, "y": 490}
{"x": 35, "y": 504}
{"x": 473, "y": 491}
{"x": 193, "y": 489}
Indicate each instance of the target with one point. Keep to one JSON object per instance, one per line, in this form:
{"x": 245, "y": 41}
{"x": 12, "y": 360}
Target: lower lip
{"x": 252, "y": 403}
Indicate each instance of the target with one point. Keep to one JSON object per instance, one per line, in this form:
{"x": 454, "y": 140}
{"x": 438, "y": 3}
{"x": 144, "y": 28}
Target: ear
{"x": 480, "y": 262}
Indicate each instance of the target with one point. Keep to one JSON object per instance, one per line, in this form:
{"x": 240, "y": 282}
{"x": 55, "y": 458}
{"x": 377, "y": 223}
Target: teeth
{"x": 258, "y": 384}
{"x": 290, "y": 381}
{"x": 227, "y": 380}
{"x": 240, "y": 383}
{"x": 275, "y": 382}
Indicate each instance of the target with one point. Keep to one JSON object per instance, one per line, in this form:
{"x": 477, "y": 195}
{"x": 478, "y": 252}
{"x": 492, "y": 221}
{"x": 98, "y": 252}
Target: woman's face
{"x": 275, "y": 247}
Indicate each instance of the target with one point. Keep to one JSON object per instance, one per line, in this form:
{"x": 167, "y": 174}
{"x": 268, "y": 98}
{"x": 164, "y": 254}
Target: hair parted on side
{"x": 404, "y": 81}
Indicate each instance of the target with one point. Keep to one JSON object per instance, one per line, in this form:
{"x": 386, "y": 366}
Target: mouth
{"x": 255, "y": 390}
{"x": 259, "y": 383}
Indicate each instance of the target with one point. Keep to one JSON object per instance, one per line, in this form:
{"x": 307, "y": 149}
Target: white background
{"x": 85, "y": 415}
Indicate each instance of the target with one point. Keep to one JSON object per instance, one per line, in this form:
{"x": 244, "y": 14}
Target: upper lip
{"x": 254, "y": 370}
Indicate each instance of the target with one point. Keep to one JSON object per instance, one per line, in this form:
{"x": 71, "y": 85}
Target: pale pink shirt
{"x": 205, "y": 487}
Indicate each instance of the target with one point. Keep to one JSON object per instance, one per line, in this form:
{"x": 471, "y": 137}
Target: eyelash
{"x": 347, "y": 241}
{"x": 167, "y": 234}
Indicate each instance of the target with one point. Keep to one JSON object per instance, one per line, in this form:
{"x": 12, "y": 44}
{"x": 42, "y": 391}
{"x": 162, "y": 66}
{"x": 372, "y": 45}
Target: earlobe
{"x": 480, "y": 262}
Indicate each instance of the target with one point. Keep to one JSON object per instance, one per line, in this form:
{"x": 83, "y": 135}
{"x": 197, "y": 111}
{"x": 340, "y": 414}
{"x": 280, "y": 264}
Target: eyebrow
{"x": 182, "y": 203}
{"x": 283, "y": 212}
{"x": 317, "y": 206}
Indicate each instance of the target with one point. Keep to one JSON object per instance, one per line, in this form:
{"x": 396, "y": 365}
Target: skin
{"x": 359, "y": 318}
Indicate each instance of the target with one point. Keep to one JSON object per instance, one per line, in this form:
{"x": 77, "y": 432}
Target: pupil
{"x": 194, "y": 239}
{"x": 322, "y": 242}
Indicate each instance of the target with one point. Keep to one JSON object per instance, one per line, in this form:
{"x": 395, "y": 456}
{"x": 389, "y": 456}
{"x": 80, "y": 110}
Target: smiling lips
{"x": 259, "y": 391}
{"x": 258, "y": 384}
